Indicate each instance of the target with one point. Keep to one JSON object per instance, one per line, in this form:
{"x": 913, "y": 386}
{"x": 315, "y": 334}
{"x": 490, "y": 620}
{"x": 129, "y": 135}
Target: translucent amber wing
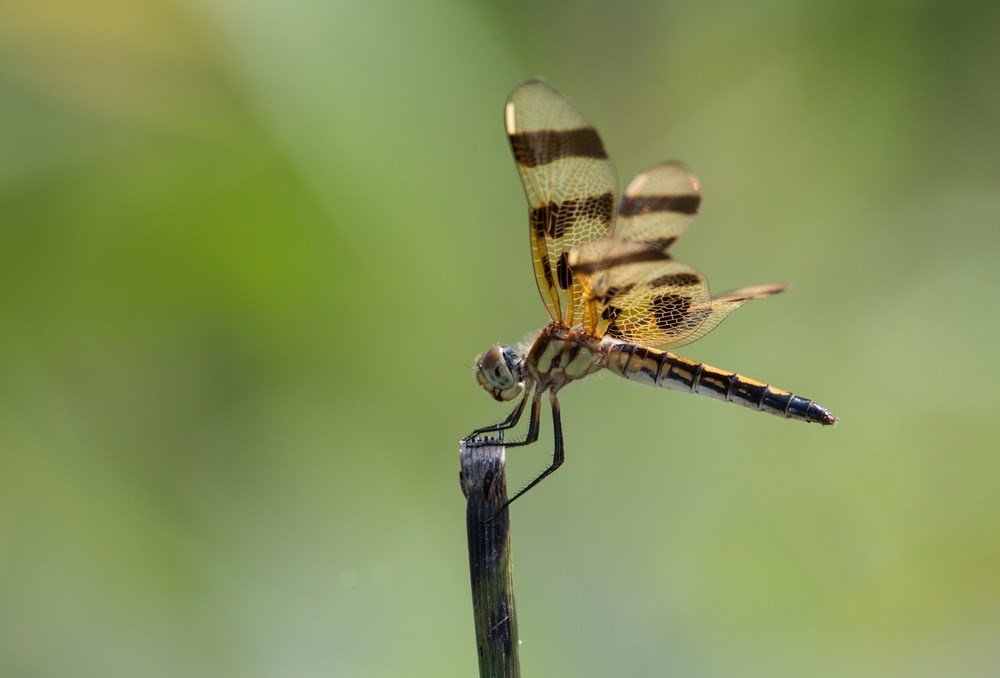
{"x": 724, "y": 304}
{"x": 570, "y": 184}
{"x": 659, "y": 206}
{"x": 672, "y": 315}
{"x": 632, "y": 290}
{"x": 635, "y": 292}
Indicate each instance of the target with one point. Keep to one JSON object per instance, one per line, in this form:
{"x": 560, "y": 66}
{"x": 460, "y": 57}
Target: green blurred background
{"x": 248, "y": 252}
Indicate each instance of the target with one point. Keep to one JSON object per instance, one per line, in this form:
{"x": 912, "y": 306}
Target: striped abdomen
{"x": 664, "y": 369}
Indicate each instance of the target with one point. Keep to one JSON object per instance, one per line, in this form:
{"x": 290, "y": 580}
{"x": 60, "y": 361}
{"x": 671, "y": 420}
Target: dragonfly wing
{"x": 570, "y": 184}
{"x": 659, "y": 206}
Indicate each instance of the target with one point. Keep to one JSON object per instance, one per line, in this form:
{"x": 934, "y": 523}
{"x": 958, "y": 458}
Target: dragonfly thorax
{"x": 499, "y": 372}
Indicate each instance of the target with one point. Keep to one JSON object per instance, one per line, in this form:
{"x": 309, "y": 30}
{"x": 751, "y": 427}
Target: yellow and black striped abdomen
{"x": 666, "y": 370}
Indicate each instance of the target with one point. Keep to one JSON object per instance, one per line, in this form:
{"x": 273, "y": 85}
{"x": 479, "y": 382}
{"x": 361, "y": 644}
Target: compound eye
{"x": 491, "y": 359}
{"x": 498, "y": 372}
{"x": 494, "y": 368}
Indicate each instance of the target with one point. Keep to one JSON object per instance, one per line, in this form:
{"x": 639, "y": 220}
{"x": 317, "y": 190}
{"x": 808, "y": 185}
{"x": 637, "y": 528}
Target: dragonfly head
{"x": 499, "y": 372}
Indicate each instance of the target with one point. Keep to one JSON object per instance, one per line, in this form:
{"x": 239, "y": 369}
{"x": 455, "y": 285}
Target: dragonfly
{"x": 616, "y": 299}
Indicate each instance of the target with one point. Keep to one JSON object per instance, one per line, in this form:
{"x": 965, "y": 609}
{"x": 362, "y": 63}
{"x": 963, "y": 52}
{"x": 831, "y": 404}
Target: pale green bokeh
{"x": 248, "y": 252}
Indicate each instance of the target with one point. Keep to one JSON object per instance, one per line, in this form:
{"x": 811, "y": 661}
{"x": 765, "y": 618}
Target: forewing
{"x": 570, "y": 184}
{"x": 659, "y": 206}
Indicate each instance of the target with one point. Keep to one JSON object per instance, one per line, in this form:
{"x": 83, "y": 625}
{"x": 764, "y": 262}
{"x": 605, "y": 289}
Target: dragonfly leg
{"x": 509, "y": 422}
{"x": 533, "y": 422}
{"x": 558, "y": 456}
